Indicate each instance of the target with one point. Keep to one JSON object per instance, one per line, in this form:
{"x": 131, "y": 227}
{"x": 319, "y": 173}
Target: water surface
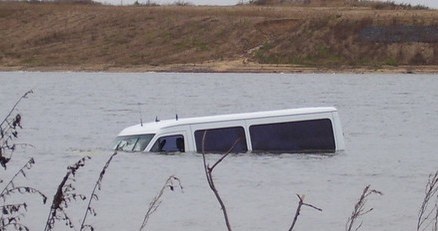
{"x": 389, "y": 122}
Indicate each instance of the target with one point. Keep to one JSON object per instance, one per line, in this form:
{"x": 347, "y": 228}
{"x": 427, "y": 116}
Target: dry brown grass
{"x": 67, "y": 35}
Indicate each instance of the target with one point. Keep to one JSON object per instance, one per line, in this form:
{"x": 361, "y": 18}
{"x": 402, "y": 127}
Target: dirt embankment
{"x": 195, "y": 38}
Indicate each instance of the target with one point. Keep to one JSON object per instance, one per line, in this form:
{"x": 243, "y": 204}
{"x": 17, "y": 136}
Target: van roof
{"x": 154, "y": 127}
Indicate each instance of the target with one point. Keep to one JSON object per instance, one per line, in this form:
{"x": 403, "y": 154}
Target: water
{"x": 389, "y": 122}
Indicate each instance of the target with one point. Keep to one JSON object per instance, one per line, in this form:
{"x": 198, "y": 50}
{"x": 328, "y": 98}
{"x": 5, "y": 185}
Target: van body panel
{"x": 228, "y": 126}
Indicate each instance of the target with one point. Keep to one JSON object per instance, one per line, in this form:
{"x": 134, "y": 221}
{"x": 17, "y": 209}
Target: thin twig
{"x": 297, "y": 212}
{"x": 64, "y": 194}
{"x": 10, "y": 213}
{"x": 15, "y": 105}
{"x": 425, "y": 213}
{"x": 156, "y": 202}
{"x": 359, "y": 208}
{"x": 209, "y": 175}
{"x": 226, "y": 153}
{"x": 97, "y": 186}
{"x": 8, "y": 132}
{"x": 27, "y": 165}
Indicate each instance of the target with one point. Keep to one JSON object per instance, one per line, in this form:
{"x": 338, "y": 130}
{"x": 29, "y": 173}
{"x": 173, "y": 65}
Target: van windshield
{"x": 134, "y": 143}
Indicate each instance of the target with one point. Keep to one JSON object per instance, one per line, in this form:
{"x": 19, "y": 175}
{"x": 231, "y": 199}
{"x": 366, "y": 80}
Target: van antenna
{"x": 141, "y": 117}
{"x": 175, "y": 101}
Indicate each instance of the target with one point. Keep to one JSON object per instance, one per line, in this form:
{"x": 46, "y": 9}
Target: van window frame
{"x": 301, "y": 145}
{"x": 240, "y": 143}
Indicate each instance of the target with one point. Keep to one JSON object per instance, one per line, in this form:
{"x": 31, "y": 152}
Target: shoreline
{"x": 235, "y": 66}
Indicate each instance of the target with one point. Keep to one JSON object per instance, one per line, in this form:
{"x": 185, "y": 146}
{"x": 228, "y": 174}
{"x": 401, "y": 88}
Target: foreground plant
{"x": 11, "y": 214}
{"x": 428, "y": 214}
{"x": 359, "y": 209}
{"x": 9, "y": 131}
{"x": 94, "y": 195}
{"x": 209, "y": 174}
{"x": 298, "y": 211}
{"x": 65, "y": 194}
{"x": 170, "y": 183}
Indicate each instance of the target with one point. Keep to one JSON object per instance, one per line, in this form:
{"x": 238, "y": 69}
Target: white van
{"x": 302, "y": 130}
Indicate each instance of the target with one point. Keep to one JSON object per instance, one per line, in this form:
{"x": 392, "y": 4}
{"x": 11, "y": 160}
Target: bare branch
{"x": 93, "y": 195}
{"x": 359, "y": 208}
{"x": 209, "y": 175}
{"x": 156, "y": 202}
{"x": 21, "y": 171}
{"x": 9, "y": 132}
{"x": 15, "y": 106}
{"x": 64, "y": 194}
{"x": 425, "y": 211}
{"x": 297, "y": 213}
{"x": 11, "y": 214}
{"x": 226, "y": 153}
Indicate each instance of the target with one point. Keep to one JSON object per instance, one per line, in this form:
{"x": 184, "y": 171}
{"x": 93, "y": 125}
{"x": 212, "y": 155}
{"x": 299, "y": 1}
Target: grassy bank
{"x": 37, "y": 36}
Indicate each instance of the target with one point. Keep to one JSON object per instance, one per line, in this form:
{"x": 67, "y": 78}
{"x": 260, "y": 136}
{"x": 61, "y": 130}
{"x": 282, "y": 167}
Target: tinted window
{"x": 220, "y": 140}
{"x": 300, "y": 136}
{"x": 174, "y": 143}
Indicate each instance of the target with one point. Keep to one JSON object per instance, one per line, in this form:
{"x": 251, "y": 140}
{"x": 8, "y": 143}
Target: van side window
{"x": 174, "y": 143}
{"x": 300, "y": 136}
{"x": 221, "y": 140}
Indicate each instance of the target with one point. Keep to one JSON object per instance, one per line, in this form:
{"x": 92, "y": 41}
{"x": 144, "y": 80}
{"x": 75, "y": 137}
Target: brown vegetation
{"x": 195, "y": 38}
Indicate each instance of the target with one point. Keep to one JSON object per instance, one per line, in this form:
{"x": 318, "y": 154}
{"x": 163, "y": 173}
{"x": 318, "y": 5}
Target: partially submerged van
{"x": 302, "y": 130}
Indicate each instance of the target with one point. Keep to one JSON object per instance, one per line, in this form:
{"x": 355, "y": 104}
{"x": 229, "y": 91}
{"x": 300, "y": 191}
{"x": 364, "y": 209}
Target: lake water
{"x": 390, "y": 123}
